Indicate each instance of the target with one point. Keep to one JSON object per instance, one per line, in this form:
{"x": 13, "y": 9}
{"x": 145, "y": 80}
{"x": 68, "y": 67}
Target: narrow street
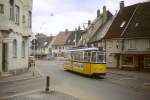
{"x": 114, "y": 87}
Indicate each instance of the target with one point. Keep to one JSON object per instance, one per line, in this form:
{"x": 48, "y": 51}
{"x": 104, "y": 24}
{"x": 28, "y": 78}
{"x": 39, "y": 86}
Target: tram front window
{"x": 100, "y": 57}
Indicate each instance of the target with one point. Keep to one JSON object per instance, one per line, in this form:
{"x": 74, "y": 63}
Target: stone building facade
{"x": 15, "y": 30}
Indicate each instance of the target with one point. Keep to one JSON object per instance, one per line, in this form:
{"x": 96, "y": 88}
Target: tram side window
{"x": 87, "y": 56}
{"x": 93, "y": 57}
{"x": 76, "y": 56}
{"x": 81, "y": 57}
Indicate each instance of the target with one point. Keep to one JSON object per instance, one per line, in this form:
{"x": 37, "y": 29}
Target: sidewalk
{"x": 41, "y": 95}
{"x": 31, "y": 74}
{"x": 135, "y": 74}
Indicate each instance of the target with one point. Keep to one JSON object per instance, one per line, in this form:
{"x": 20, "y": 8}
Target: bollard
{"x": 47, "y": 83}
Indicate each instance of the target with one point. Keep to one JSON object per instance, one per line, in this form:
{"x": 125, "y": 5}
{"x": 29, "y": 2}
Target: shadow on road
{"x": 86, "y": 76}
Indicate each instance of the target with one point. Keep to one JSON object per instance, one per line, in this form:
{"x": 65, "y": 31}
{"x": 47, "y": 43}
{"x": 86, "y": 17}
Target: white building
{"x": 15, "y": 29}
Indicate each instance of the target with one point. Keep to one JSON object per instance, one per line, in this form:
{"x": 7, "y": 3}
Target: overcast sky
{"x": 53, "y": 16}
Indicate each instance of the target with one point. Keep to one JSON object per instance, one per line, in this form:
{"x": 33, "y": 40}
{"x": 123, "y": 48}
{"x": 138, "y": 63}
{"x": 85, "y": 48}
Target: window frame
{"x": 131, "y": 44}
{"x": 17, "y": 14}
{"x": 30, "y": 19}
{"x": 1, "y": 8}
{"x": 11, "y": 16}
{"x": 15, "y": 48}
{"x": 23, "y": 49}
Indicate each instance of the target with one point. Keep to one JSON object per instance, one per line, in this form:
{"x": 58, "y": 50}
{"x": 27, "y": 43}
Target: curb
{"x": 21, "y": 79}
{"x": 119, "y": 74}
{"x": 19, "y": 94}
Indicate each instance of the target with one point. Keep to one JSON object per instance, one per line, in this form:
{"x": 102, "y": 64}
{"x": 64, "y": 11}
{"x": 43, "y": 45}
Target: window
{"x": 93, "y": 57}
{"x": 147, "y": 61}
{"x": 87, "y": 56}
{"x": 23, "y": 49}
{"x": 11, "y": 12}
{"x": 110, "y": 43}
{"x": 148, "y": 43}
{"x": 17, "y": 14}
{"x": 15, "y": 48}
{"x": 123, "y": 24}
{"x": 23, "y": 19}
{"x": 127, "y": 60}
{"x": 131, "y": 44}
{"x": 30, "y": 19}
{"x": 100, "y": 57}
{"x": 1, "y": 9}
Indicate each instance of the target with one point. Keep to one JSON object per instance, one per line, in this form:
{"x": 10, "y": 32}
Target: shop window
{"x": 127, "y": 60}
{"x": 147, "y": 61}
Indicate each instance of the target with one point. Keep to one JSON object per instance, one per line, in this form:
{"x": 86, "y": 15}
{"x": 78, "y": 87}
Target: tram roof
{"x": 83, "y": 49}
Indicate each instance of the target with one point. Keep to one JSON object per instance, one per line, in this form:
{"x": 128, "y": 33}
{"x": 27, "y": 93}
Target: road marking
{"x": 20, "y": 94}
{"x": 129, "y": 78}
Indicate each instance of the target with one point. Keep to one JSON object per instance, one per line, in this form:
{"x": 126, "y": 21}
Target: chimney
{"x": 66, "y": 30}
{"x": 121, "y": 5}
{"x": 89, "y": 22}
{"x": 104, "y": 14}
{"x": 79, "y": 28}
{"x": 104, "y": 9}
{"x": 98, "y": 13}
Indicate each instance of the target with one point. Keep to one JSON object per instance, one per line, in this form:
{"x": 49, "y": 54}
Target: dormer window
{"x": 136, "y": 24}
{"x": 122, "y": 24}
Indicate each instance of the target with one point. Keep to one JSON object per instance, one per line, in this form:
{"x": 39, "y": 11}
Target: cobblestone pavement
{"x": 44, "y": 96}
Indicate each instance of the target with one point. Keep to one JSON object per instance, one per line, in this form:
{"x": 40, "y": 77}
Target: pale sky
{"x": 53, "y": 16}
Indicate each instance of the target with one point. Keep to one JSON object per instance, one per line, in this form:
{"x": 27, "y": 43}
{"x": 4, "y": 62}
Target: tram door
{"x": 87, "y": 57}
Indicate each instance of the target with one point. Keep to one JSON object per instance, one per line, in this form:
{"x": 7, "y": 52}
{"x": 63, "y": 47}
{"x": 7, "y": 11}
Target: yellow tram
{"x": 88, "y": 61}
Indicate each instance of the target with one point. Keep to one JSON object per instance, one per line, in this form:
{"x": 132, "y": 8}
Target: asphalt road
{"x": 114, "y": 87}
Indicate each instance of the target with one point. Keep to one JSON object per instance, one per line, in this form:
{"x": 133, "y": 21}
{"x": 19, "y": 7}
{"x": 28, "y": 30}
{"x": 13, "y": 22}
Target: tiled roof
{"x": 100, "y": 33}
{"x": 122, "y": 16}
{"x": 131, "y": 22}
{"x": 71, "y": 38}
{"x": 61, "y": 38}
{"x": 43, "y": 40}
{"x": 140, "y": 24}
